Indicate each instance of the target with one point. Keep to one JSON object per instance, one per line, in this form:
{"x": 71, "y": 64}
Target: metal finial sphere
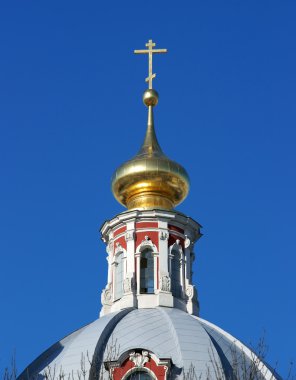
{"x": 150, "y": 97}
{"x": 150, "y": 180}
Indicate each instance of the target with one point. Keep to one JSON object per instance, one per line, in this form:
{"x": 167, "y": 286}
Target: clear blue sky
{"x": 71, "y": 112}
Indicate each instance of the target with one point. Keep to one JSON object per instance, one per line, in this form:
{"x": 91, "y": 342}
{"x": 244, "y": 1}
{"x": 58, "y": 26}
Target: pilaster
{"x": 133, "y": 233}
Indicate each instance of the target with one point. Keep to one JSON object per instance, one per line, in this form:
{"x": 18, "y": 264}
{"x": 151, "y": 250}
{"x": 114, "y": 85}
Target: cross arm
{"x": 150, "y": 51}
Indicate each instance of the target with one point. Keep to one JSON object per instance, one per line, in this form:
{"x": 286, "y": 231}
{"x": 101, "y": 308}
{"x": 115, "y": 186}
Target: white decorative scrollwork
{"x": 192, "y": 301}
{"x": 118, "y": 248}
{"x": 129, "y": 235}
{"x": 191, "y": 293}
{"x": 187, "y": 242}
{"x": 139, "y": 359}
{"x": 106, "y": 297}
{"x": 147, "y": 242}
{"x": 110, "y": 247}
{"x": 165, "y": 283}
{"x": 163, "y": 235}
{"x": 128, "y": 285}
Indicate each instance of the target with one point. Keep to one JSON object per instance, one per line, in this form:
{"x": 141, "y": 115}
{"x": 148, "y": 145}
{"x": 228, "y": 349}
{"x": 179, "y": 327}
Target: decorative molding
{"x": 165, "y": 283}
{"x": 163, "y": 235}
{"x": 106, "y": 296}
{"x": 139, "y": 359}
{"x": 110, "y": 247}
{"x": 129, "y": 236}
{"x": 118, "y": 248}
{"x": 171, "y": 247}
{"x": 128, "y": 285}
{"x": 191, "y": 293}
{"x": 147, "y": 242}
{"x": 136, "y": 215}
{"x": 119, "y": 370}
{"x": 192, "y": 300}
{"x": 187, "y": 242}
{"x": 165, "y": 362}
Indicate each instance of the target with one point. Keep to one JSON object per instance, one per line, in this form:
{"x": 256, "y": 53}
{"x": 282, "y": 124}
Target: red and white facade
{"x": 150, "y": 256}
{"x": 138, "y": 361}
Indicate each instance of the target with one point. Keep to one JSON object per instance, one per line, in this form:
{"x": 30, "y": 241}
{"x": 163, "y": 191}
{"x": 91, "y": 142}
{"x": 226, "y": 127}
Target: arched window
{"x": 147, "y": 271}
{"x": 176, "y": 274}
{"x": 118, "y": 276}
{"x": 139, "y": 375}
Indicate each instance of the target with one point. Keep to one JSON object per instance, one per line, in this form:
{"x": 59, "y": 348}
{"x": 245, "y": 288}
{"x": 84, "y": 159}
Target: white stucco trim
{"x": 139, "y": 369}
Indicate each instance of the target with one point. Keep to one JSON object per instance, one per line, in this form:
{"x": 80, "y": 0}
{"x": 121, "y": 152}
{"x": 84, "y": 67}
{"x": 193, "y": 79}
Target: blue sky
{"x": 71, "y": 112}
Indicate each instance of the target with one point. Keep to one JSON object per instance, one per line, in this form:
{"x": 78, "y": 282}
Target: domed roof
{"x": 144, "y": 330}
{"x": 150, "y": 179}
{"x": 192, "y": 345}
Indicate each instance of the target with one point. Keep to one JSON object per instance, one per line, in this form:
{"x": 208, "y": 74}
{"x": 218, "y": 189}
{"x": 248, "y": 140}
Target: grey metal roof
{"x": 190, "y": 343}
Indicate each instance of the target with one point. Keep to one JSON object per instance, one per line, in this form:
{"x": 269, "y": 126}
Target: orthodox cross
{"x": 150, "y": 45}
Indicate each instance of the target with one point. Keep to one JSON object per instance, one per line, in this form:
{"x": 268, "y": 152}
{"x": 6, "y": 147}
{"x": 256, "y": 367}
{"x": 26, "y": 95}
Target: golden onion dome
{"x": 150, "y": 179}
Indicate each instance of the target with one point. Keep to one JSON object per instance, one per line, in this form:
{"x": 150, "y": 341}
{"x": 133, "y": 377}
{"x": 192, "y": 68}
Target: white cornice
{"x": 136, "y": 215}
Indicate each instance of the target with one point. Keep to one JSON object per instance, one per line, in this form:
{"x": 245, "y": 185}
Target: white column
{"x": 163, "y": 247}
{"x": 108, "y": 258}
{"x": 187, "y": 266}
{"x": 182, "y": 268}
{"x": 187, "y": 245}
{"x": 156, "y": 274}
{"x": 113, "y": 266}
{"x": 110, "y": 251}
{"x": 130, "y": 246}
{"x": 138, "y": 272}
{"x": 170, "y": 257}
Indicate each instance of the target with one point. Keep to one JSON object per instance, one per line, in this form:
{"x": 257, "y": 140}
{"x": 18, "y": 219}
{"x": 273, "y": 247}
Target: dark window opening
{"x": 147, "y": 272}
{"x": 139, "y": 375}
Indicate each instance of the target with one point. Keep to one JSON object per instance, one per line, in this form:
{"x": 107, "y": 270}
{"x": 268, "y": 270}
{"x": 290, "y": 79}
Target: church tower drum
{"x": 149, "y": 325}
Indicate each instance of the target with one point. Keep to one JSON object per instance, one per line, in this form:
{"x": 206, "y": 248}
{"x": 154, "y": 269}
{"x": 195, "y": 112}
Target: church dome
{"x": 153, "y": 339}
{"x": 150, "y": 179}
{"x": 149, "y": 325}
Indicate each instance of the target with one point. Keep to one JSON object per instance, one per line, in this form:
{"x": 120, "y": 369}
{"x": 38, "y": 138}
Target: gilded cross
{"x": 150, "y": 51}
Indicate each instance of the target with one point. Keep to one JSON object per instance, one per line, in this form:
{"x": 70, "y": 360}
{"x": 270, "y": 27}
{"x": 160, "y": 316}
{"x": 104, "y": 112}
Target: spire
{"x": 150, "y": 179}
{"x": 150, "y": 145}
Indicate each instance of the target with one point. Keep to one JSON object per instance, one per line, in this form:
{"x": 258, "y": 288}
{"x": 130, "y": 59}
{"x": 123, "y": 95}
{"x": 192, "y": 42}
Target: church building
{"x": 149, "y": 325}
